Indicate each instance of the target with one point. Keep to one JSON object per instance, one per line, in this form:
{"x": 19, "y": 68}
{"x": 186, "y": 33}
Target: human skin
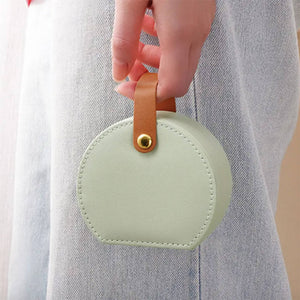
{"x": 181, "y": 26}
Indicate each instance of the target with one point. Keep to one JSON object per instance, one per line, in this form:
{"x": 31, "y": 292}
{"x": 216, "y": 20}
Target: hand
{"x": 181, "y": 26}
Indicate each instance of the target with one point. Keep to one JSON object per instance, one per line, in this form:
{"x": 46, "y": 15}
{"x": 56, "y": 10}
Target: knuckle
{"x": 202, "y": 30}
{"x": 183, "y": 32}
{"x": 120, "y": 44}
{"x": 174, "y": 89}
{"x": 181, "y": 90}
{"x": 187, "y": 31}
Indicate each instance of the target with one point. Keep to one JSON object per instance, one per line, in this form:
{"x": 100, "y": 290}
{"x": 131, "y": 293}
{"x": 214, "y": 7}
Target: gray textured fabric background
{"x": 245, "y": 90}
{"x": 297, "y": 13}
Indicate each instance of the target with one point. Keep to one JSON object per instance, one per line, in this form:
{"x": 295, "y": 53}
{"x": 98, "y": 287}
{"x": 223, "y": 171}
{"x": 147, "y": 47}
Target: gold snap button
{"x": 144, "y": 141}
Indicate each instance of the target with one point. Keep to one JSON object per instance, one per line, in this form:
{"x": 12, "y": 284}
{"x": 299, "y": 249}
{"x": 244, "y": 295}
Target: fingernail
{"x": 120, "y": 80}
{"x": 116, "y": 88}
{"x": 119, "y": 68}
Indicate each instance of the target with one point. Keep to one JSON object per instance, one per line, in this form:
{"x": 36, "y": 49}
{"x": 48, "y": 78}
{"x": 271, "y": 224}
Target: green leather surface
{"x": 171, "y": 197}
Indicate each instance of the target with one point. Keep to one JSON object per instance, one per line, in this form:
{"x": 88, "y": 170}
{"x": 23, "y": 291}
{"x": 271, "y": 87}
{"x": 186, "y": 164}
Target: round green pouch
{"x": 157, "y": 179}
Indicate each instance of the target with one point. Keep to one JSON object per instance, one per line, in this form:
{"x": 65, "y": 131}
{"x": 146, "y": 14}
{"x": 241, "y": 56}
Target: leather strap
{"x": 145, "y": 106}
{"x": 168, "y": 104}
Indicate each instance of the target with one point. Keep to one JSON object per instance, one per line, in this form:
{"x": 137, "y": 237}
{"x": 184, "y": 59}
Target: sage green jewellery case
{"x": 156, "y": 179}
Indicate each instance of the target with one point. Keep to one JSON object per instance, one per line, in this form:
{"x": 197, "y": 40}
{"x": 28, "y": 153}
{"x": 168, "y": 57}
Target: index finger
{"x": 129, "y": 15}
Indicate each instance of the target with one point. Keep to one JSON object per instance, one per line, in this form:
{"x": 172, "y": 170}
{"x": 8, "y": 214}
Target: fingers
{"x": 149, "y": 25}
{"x": 127, "y": 88}
{"x": 175, "y": 36}
{"x": 129, "y": 17}
{"x": 149, "y": 54}
{"x": 173, "y": 71}
{"x": 194, "y": 56}
{"x": 182, "y": 28}
{"x": 137, "y": 70}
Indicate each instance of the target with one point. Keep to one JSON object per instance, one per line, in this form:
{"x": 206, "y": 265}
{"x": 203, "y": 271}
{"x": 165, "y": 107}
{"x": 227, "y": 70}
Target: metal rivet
{"x": 144, "y": 141}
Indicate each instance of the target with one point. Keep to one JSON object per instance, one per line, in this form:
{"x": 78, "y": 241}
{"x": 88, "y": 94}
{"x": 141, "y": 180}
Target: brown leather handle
{"x": 144, "y": 115}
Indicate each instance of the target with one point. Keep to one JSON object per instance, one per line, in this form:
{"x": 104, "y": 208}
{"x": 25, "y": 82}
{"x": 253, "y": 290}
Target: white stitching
{"x": 81, "y": 172}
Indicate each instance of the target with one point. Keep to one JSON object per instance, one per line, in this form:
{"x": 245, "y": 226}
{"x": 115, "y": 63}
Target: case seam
{"x": 81, "y": 173}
